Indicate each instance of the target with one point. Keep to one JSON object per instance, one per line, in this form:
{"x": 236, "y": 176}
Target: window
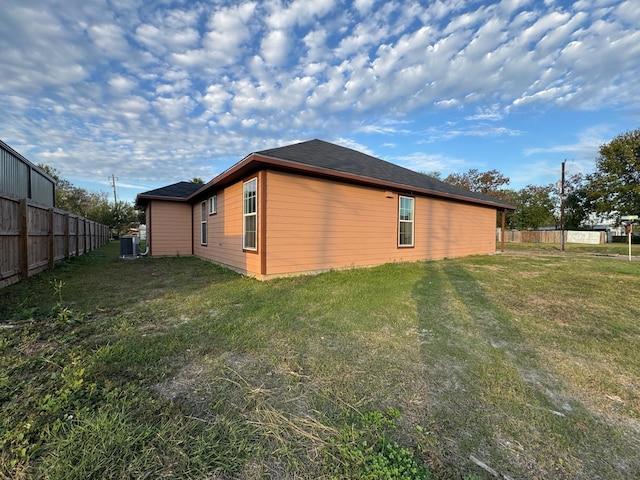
{"x": 250, "y": 215}
{"x": 213, "y": 204}
{"x": 405, "y": 219}
{"x": 203, "y": 223}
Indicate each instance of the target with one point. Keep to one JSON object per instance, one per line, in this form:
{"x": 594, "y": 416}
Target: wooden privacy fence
{"x": 552, "y": 236}
{"x": 33, "y": 237}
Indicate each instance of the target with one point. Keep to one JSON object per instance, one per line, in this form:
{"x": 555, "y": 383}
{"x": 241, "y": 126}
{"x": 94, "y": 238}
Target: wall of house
{"x": 169, "y": 228}
{"x": 224, "y": 233}
{"x": 446, "y": 229}
{"x": 315, "y": 225}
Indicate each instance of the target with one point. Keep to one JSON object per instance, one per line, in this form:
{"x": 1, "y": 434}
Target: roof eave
{"x": 148, "y": 198}
{"x": 254, "y": 161}
{"x": 228, "y": 176}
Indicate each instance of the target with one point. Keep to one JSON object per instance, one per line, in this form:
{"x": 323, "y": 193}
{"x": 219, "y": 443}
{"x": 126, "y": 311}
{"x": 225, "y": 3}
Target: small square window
{"x": 213, "y": 204}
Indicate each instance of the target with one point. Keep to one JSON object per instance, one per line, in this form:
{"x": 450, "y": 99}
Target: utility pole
{"x": 562, "y": 208}
{"x": 113, "y": 179}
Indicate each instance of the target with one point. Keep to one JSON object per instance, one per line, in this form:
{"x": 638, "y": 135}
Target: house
{"x": 172, "y": 217}
{"x": 19, "y": 178}
{"x": 315, "y": 206}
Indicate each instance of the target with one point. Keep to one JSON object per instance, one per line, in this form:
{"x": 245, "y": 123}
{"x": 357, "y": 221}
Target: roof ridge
{"x": 331, "y": 156}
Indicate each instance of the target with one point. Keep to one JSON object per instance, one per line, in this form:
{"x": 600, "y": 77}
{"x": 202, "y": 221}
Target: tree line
{"x": 93, "y": 205}
{"x": 611, "y": 191}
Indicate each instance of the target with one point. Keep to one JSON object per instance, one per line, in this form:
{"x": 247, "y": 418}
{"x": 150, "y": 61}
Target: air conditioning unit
{"x": 129, "y": 246}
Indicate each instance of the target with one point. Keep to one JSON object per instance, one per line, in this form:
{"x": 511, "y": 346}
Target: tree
{"x": 123, "y": 215}
{"x": 576, "y": 209}
{"x": 577, "y": 205}
{"x": 489, "y": 183}
{"x": 92, "y": 205}
{"x": 535, "y": 208}
{"x": 614, "y": 189}
{"x": 74, "y": 199}
{"x": 197, "y": 180}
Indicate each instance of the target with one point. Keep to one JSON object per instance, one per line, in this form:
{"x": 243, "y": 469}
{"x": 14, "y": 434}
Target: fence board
{"x": 33, "y": 237}
{"x": 542, "y": 236}
{"x": 9, "y": 242}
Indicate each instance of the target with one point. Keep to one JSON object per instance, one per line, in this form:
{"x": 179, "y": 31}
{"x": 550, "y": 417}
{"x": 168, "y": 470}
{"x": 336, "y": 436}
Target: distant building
{"x": 20, "y": 178}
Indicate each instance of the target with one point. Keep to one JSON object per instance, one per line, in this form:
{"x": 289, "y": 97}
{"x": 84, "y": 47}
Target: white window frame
{"x": 406, "y": 221}
{"x": 213, "y": 204}
{"x": 203, "y": 223}
{"x": 250, "y": 210}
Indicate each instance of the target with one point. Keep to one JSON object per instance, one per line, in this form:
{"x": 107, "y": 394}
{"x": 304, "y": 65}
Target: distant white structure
{"x": 592, "y": 238}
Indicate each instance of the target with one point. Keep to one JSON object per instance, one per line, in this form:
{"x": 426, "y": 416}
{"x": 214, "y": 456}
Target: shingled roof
{"x": 324, "y": 159}
{"x": 175, "y": 191}
{"x": 328, "y": 156}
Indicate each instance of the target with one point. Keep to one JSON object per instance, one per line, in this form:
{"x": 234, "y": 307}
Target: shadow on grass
{"x": 126, "y": 306}
{"x": 100, "y": 281}
{"x": 494, "y": 398}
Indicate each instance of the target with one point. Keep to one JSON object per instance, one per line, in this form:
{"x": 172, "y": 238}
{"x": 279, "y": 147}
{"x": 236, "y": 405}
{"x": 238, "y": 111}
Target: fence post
{"x": 66, "y": 236}
{"x": 24, "y": 238}
{"x": 86, "y": 243}
{"x": 52, "y": 239}
{"x": 77, "y": 236}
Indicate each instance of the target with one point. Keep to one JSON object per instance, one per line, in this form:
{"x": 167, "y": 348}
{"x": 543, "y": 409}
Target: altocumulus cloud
{"x": 189, "y": 87}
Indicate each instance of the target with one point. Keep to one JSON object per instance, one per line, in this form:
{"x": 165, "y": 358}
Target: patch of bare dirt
{"x": 182, "y": 385}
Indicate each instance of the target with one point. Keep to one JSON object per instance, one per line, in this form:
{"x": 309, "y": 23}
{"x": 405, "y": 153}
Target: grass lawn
{"x": 518, "y": 365}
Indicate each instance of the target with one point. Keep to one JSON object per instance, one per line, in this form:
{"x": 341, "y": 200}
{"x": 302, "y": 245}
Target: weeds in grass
{"x": 523, "y": 362}
{"x": 64, "y": 316}
{"x": 364, "y": 450}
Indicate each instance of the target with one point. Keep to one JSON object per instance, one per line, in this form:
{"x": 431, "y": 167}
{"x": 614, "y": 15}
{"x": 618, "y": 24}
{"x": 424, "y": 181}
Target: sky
{"x": 154, "y": 93}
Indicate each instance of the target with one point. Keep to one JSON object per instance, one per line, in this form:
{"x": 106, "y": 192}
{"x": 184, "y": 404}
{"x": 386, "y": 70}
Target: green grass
{"x": 526, "y": 362}
{"x": 621, "y": 249}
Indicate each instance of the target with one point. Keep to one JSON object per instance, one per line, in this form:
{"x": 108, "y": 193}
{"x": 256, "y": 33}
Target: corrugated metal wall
{"x": 19, "y": 178}
{"x": 14, "y": 175}
{"x": 42, "y": 190}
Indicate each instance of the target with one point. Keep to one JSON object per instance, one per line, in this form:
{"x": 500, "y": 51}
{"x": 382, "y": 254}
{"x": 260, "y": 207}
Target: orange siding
{"x": 318, "y": 225}
{"x": 314, "y": 225}
{"x": 449, "y": 229}
{"x": 224, "y": 232}
{"x": 170, "y": 227}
